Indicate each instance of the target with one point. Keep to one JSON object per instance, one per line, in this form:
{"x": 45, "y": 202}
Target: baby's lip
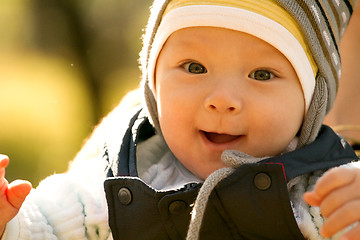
{"x": 220, "y": 138}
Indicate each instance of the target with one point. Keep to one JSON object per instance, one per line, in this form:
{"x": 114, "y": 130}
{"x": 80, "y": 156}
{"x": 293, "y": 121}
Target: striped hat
{"x": 307, "y": 32}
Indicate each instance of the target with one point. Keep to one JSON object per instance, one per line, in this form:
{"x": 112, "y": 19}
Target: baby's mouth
{"x": 220, "y": 138}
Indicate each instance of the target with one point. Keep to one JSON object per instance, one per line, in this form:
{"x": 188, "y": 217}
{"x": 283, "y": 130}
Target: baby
{"x": 235, "y": 95}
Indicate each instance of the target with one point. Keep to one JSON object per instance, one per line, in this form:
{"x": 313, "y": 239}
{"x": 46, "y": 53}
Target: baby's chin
{"x": 204, "y": 173}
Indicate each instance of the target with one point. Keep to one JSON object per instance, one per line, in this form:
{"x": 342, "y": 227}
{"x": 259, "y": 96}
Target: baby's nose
{"x": 221, "y": 108}
{"x": 223, "y": 102}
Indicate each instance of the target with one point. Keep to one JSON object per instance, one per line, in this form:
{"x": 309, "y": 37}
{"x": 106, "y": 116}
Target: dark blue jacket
{"x": 252, "y": 203}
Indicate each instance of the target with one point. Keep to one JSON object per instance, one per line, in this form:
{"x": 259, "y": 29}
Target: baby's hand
{"x": 337, "y": 193}
{"x": 11, "y": 195}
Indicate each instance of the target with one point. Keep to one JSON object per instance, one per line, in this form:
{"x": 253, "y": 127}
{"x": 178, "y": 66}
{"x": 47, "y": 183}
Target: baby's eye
{"x": 195, "y": 68}
{"x": 261, "y": 75}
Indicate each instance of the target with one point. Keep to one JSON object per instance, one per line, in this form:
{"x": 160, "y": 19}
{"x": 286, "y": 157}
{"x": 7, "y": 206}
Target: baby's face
{"x": 219, "y": 89}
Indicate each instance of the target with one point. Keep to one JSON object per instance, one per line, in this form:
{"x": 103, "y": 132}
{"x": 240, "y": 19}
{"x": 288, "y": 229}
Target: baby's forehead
{"x": 216, "y": 38}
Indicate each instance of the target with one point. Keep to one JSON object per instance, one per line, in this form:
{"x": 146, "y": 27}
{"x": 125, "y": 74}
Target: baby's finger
{"x": 3, "y": 187}
{"x": 341, "y": 218}
{"x": 339, "y": 197}
{"x": 17, "y": 192}
{"x": 312, "y": 199}
{"x": 333, "y": 179}
{"x": 353, "y": 234}
{"x": 2, "y": 156}
{"x": 4, "y": 161}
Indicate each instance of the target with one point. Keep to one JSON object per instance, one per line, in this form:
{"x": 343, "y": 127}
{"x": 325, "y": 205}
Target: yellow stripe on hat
{"x": 266, "y": 8}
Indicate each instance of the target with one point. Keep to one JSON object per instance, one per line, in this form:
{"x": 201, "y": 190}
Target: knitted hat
{"x": 307, "y": 32}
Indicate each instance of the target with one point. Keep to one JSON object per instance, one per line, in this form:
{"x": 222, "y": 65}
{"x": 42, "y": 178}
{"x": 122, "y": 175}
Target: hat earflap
{"x": 316, "y": 113}
{"x": 151, "y": 107}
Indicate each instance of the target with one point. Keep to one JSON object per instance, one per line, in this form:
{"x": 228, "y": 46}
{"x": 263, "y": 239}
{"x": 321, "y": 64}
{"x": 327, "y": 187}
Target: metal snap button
{"x": 177, "y": 207}
{"x": 262, "y": 181}
{"x": 124, "y": 196}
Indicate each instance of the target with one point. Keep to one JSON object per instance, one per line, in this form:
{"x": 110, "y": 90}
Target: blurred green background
{"x": 64, "y": 64}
